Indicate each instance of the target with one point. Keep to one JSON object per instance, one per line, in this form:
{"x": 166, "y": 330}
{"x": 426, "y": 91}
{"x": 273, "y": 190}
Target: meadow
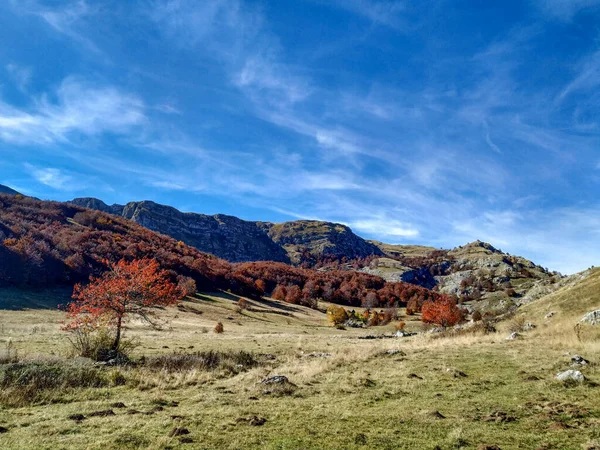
{"x": 194, "y": 388}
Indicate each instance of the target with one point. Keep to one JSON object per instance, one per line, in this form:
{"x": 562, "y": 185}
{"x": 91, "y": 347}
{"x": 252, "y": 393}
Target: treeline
{"x": 44, "y": 244}
{"x": 303, "y": 286}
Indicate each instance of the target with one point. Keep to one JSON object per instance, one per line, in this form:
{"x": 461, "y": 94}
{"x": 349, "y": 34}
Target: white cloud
{"x": 565, "y": 10}
{"x": 80, "y": 108}
{"x": 20, "y": 75}
{"x": 385, "y": 227}
{"x": 54, "y": 178}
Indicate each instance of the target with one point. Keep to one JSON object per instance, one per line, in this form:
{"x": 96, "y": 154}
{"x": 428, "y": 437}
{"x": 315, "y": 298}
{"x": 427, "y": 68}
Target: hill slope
{"x": 7, "y": 190}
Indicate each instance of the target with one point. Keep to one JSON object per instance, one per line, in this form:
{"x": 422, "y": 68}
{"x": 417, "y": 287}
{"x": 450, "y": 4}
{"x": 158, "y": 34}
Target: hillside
{"x": 46, "y": 244}
{"x": 475, "y": 271}
{"x": 7, "y": 190}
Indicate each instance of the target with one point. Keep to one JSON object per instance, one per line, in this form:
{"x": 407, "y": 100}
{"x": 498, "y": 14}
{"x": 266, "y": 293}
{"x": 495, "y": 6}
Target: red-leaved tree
{"x": 128, "y": 289}
{"x": 443, "y": 312}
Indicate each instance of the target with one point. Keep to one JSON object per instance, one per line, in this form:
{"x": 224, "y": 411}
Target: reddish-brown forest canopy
{"x": 45, "y": 243}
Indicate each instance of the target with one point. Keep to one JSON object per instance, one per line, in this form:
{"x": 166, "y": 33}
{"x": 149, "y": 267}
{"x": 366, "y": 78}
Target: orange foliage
{"x": 127, "y": 289}
{"x": 443, "y": 312}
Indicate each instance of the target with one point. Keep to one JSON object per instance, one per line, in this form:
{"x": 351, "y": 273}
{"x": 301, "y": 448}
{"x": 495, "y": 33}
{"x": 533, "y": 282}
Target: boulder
{"x": 591, "y": 318}
{"x": 550, "y": 314}
{"x": 571, "y": 375}
{"x": 578, "y": 360}
{"x": 513, "y": 336}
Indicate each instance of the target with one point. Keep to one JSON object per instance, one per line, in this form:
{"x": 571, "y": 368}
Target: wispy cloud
{"x": 51, "y": 177}
{"x": 81, "y": 107}
{"x": 379, "y": 12}
{"x": 565, "y": 10}
{"x": 20, "y": 75}
{"x": 67, "y": 18}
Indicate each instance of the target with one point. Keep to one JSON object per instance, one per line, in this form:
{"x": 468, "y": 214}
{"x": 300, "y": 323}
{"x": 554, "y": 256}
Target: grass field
{"x": 450, "y": 391}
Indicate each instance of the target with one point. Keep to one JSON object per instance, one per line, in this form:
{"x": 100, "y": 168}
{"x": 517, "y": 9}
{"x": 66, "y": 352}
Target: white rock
{"x": 567, "y": 375}
{"x": 513, "y": 336}
{"x": 550, "y": 314}
{"x": 592, "y": 318}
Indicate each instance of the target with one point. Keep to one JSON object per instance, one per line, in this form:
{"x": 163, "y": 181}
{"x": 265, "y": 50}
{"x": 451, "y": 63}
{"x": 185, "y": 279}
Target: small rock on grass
{"x": 571, "y": 375}
{"x": 488, "y": 447}
{"x": 3, "y": 430}
{"x": 118, "y": 405}
{"x": 578, "y": 360}
{"x": 276, "y": 379}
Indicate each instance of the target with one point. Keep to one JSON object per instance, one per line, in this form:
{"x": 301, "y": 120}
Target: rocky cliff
{"x": 224, "y": 236}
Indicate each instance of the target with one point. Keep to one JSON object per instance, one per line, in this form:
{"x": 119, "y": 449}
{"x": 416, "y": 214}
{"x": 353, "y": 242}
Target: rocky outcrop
{"x": 238, "y": 240}
{"x": 320, "y": 239}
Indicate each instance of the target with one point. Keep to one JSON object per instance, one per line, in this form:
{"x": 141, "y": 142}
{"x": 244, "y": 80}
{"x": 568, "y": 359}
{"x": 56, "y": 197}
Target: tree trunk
{"x": 115, "y": 345}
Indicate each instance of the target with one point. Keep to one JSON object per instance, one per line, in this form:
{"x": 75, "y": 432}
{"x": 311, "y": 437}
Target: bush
{"x": 9, "y": 354}
{"x": 232, "y": 361}
{"x": 97, "y": 344}
{"x": 443, "y": 312}
{"x": 25, "y": 383}
{"x": 477, "y": 316}
{"x": 219, "y": 328}
{"x": 336, "y": 314}
{"x": 242, "y": 303}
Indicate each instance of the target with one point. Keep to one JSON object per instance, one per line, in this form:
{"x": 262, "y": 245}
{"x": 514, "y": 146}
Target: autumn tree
{"x": 443, "y": 312}
{"x": 126, "y": 290}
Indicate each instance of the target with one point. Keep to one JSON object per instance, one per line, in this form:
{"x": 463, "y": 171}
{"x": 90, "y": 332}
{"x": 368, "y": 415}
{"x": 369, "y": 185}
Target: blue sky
{"x": 432, "y": 122}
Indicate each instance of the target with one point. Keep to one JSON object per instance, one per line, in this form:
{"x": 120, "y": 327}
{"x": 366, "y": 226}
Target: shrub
{"x": 400, "y": 325}
{"x": 186, "y": 285}
{"x": 242, "y": 303}
{"x": 9, "y": 354}
{"x": 231, "y": 361}
{"x": 477, "y": 316}
{"x": 336, "y": 314}
{"x": 25, "y": 383}
{"x": 443, "y": 312}
{"x": 219, "y": 328}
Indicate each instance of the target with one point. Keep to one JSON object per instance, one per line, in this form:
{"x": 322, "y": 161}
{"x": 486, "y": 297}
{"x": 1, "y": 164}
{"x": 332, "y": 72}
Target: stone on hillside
{"x": 513, "y": 336}
{"x": 592, "y": 318}
{"x": 528, "y": 326}
{"x": 550, "y": 314}
{"x": 276, "y": 379}
{"x": 578, "y": 360}
{"x": 571, "y": 375}
{"x": 393, "y": 352}
{"x": 400, "y": 333}
{"x": 318, "y": 355}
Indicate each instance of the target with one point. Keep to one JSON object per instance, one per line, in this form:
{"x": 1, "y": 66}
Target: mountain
{"x": 7, "y": 190}
{"x": 475, "y": 271}
{"x": 238, "y": 240}
{"x": 48, "y": 244}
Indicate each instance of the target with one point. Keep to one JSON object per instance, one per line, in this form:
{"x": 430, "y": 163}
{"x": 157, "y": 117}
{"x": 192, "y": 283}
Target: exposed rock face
{"x": 239, "y": 240}
{"x": 320, "y": 239}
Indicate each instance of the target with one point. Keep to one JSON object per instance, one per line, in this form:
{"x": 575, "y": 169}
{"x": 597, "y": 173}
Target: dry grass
{"x": 344, "y": 392}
